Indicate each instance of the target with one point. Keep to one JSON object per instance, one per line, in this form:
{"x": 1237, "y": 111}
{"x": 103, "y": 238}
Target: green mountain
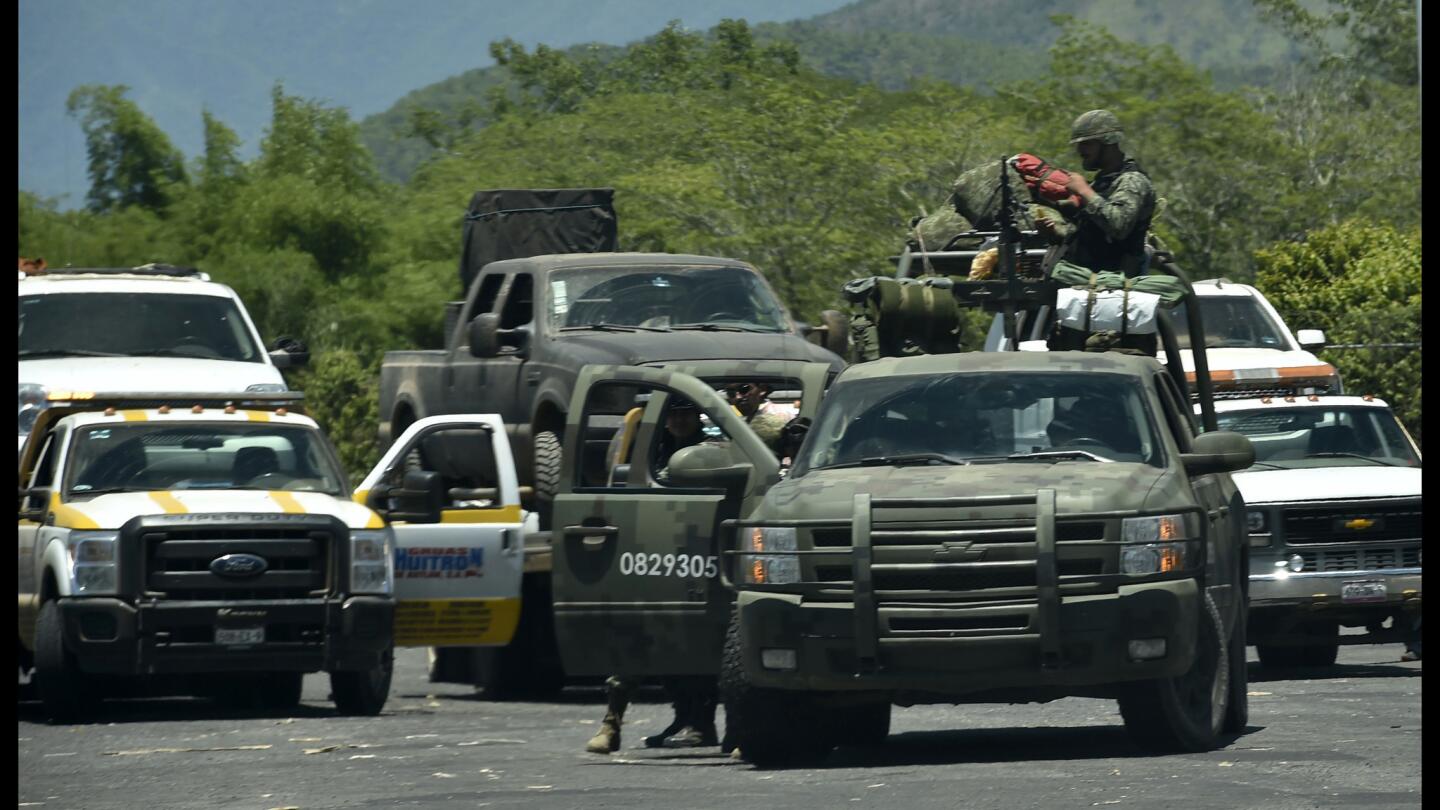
{"x": 891, "y": 43}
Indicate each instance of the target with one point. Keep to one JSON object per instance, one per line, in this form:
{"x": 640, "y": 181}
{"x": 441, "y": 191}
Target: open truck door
{"x": 447, "y": 488}
{"x": 636, "y": 575}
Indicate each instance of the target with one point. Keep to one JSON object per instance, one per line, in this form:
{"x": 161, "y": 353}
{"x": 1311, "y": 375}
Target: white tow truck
{"x": 190, "y": 544}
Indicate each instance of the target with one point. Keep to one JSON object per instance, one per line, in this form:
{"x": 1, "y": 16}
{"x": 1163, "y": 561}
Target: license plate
{"x": 1367, "y": 590}
{"x": 239, "y": 636}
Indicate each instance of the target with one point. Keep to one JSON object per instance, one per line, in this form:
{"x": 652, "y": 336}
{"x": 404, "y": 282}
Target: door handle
{"x": 593, "y": 537}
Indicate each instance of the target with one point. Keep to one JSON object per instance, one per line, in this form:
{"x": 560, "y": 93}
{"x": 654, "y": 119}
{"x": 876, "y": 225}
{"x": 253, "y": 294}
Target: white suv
{"x": 148, "y": 328}
{"x": 1250, "y": 349}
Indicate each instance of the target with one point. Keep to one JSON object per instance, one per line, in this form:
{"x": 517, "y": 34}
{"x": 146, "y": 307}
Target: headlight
{"x": 32, "y": 402}
{"x": 770, "y": 569}
{"x": 372, "y": 561}
{"x": 1255, "y": 521}
{"x": 92, "y": 563}
{"x": 1151, "y": 544}
{"x": 267, "y": 388}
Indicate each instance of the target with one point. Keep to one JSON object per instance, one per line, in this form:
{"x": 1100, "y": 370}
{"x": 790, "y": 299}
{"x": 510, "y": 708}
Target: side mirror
{"x": 419, "y": 499}
{"x": 287, "y": 352}
{"x": 485, "y": 335}
{"x": 1310, "y": 339}
{"x": 1218, "y": 451}
{"x": 708, "y": 465}
{"x": 34, "y": 502}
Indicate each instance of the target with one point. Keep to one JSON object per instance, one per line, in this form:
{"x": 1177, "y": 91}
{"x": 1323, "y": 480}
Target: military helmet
{"x": 1101, "y": 125}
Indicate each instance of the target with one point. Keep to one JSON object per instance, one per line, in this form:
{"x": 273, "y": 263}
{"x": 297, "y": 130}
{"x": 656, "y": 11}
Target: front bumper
{"x": 114, "y": 636}
{"x": 1094, "y": 636}
{"x": 1318, "y": 590}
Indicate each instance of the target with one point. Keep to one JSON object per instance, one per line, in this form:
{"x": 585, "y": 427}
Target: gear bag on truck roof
{"x": 516, "y": 223}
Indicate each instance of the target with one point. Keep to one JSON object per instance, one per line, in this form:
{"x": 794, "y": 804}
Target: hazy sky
{"x": 182, "y": 56}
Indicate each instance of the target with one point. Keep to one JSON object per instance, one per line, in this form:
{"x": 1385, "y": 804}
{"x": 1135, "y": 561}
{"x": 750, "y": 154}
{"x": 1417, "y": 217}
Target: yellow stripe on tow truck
{"x": 169, "y": 503}
{"x": 134, "y": 416}
{"x": 503, "y": 514}
{"x": 287, "y": 502}
{"x": 455, "y": 622}
{"x": 68, "y": 517}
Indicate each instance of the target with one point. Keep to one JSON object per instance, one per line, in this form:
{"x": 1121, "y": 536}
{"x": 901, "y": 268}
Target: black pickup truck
{"x": 529, "y": 325}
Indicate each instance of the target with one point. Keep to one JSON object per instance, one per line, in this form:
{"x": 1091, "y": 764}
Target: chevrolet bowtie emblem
{"x": 960, "y": 551}
{"x": 1359, "y": 524}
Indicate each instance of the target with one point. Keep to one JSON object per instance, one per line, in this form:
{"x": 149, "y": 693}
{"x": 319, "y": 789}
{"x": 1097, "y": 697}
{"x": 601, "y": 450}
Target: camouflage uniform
{"x": 1109, "y": 230}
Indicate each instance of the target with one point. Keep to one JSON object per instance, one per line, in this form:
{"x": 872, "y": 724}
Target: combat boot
{"x": 692, "y": 737}
{"x": 607, "y": 739}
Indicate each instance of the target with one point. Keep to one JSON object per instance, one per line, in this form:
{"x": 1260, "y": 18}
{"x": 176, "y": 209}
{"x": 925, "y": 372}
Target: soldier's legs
{"x": 679, "y": 698}
{"x": 618, "y": 690}
{"x": 696, "y": 699}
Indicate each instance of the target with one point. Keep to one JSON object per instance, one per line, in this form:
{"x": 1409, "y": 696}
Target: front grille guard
{"x": 1046, "y": 593}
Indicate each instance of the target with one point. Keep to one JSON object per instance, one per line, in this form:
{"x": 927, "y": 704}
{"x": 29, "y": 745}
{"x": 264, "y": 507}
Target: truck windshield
{"x": 664, "y": 298}
{"x": 145, "y": 457}
{"x": 1322, "y": 437}
{"x": 119, "y": 324}
{"x": 1231, "y": 322}
{"x": 981, "y": 417}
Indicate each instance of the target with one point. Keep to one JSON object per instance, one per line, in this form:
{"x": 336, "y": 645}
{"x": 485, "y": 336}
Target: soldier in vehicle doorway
{"x": 1107, "y": 230}
{"x": 695, "y": 697}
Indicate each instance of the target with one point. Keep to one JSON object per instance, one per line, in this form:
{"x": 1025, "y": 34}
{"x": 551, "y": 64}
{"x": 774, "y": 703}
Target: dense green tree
{"x": 1361, "y": 283}
{"x": 131, "y": 161}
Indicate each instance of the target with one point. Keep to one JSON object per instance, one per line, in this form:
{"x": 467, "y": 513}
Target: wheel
{"x": 529, "y": 666}
{"x": 279, "y": 690}
{"x": 863, "y": 726}
{"x": 1237, "y": 714}
{"x": 773, "y": 728}
{"x": 1184, "y": 713}
{"x": 66, "y": 693}
{"x": 363, "y": 691}
{"x": 547, "y": 474}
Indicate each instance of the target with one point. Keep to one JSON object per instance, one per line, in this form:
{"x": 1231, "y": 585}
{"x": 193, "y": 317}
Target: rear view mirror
{"x": 1218, "y": 451}
{"x": 419, "y": 499}
{"x": 287, "y": 352}
{"x": 1310, "y": 339}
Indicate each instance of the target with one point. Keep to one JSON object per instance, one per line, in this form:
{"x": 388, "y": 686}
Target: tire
{"x": 279, "y": 690}
{"x": 863, "y": 726}
{"x": 67, "y": 694}
{"x": 528, "y": 668}
{"x": 1237, "y": 714}
{"x": 772, "y": 728}
{"x": 363, "y": 692}
{"x": 1185, "y": 713}
{"x": 547, "y": 474}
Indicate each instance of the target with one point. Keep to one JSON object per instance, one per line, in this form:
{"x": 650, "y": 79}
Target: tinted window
{"x": 663, "y": 298}
{"x": 1231, "y": 321}
{"x": 134, "y": 324}
{"x": 146, "y": 457}
{"x": 980, "y": 417}
{"x": 1322, "y": 437}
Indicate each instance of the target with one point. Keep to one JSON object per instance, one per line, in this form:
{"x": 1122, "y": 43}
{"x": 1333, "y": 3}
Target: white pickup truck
{"x": 1250, "y": 350}
{"x": 183, "y": 544}
{"x": 1334, "y": 523}
{"x": 145, "y": 328}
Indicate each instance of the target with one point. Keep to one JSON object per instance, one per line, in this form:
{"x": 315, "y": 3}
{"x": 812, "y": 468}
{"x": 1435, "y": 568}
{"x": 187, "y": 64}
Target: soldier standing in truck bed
{"x": 1107, "y": 230}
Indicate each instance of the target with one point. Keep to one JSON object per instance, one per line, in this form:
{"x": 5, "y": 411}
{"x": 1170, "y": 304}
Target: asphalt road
{"x": 1344, "y": 736}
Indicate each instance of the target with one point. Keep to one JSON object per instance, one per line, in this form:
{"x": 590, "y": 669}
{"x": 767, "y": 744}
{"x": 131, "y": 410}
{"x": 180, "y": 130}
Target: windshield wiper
{"x": 1056, "y": 455}
{"x": 1351, "y": 455}
{"x": 721, "y": 327}
{"x": 112, "y": 490}
{"x": 173, "y": 353}
{"x": 68, "y": 353}
{"x": 897, "y": 461}
{"x": 613, "y": 327}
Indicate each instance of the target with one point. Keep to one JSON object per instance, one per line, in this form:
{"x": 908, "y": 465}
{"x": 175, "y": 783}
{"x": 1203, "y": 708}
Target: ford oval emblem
{"x": 238, "y": 565}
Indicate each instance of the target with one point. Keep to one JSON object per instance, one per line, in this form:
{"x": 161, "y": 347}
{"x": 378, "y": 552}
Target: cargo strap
{"x": 484, "y": 214}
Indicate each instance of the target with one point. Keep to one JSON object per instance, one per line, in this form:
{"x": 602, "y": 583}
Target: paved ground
{"x": 1345, "y": 736}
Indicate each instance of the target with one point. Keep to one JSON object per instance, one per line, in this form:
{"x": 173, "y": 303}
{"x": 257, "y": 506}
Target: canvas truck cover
{"x": 516, "y": 223}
